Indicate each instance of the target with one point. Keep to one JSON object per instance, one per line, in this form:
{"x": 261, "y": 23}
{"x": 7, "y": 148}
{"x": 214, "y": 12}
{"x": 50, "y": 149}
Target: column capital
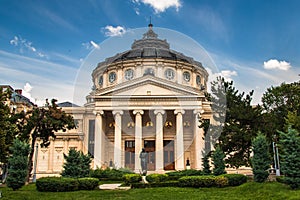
{"x": 138, "y": 111}
{"x": 179, "y": 111}
{"x": 198, "y": 111}
{"x": 159, "y": 111}
{"x": 120, "y": 112}
{"x": 98, "y": 112}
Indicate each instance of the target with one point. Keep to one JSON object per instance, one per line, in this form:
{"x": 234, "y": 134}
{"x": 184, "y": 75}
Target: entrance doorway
{"x": 129, "y": 154}
{"x": 149, "y": 146}
{"x": 169, "y": 162}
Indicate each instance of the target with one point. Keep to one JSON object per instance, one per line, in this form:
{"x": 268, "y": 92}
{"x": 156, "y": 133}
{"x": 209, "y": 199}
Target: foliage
{"x": 188, "y": 172}
{"x": 261, "y": 158}
{"x": 205, "y": 164}
{"x": 109, "y": 174}
{"x": 42, "y": 123}
{"x": 131, "y": 178}
{"x": 156, "y": 178}
{"x": 237, "y": 121}
{"x": 235, "y": 179}
{"x": 293, "y": 120}
{"x": 277, "y": 103}
{"x": 203, "y": 181}
{"x": 88, "y": 183}
{"x": 17, "y": 163}
{"x": 218, "y": 161}
{"x": 56, "y": 184}
{"x": 290, "y": 160}
{"x": 77, "y": 164}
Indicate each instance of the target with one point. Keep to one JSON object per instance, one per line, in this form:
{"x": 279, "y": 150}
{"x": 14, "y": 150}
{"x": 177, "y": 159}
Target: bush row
{"x": 131, "y": 178}
{"x": 61, "y": 184}
{"x": 157, "y": 184}
{"x": 203, "y": 181}
{"x": 109, "y": 174}
{"x": 188, "y": 172}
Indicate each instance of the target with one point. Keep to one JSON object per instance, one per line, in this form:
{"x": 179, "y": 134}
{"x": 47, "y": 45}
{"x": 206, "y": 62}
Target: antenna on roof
{"x": 150, "y": 24}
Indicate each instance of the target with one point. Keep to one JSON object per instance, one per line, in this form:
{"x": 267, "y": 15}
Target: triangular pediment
{"x": 148, "y": 85}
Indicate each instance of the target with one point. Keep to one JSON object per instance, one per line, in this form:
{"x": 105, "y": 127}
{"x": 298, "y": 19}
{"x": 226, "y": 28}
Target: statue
{"x": 144, "y": 159}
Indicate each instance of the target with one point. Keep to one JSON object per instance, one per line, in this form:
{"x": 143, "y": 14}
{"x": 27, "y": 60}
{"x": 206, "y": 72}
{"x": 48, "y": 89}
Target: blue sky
{"x": 43, "y": 44}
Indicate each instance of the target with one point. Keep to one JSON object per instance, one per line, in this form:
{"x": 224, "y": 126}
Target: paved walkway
{"x": 113, "y": 186}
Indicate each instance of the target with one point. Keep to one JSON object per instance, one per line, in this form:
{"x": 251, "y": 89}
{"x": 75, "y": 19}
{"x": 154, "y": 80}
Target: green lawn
{"x": 251, "y": 190}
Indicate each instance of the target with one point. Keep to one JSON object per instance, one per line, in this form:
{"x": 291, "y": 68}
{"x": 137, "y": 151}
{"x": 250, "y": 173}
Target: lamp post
{"x": 35, "y": 162}
{"x": 276, "y": 159}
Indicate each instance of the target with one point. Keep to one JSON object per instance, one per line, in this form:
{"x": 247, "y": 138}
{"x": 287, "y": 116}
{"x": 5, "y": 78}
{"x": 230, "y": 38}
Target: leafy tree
{"x": 290, "y": 160}
{"x": 17, "y": 163}
{"x": 236, "y": 121}
{"x": 218, "y": 161}
{"x": 43, "y": 122}
{"x": 261, "y": 158}
{"x": 293, "y": 120}
{"x": 77, "y": 164}
{"x": 277, "y": 103}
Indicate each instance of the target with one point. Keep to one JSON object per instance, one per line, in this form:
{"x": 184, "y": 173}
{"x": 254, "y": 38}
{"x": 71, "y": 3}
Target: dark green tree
{"x": 236, "y": 122}
{"x": 261, "y": 158}
{"x": 42, "y": 123}
{"x": 17, "y": 163}
{"x": 218, "y": 161}
{"x": 77, "y": 164}
{"x": 289, "y": 156}
{"x": 205, "y": 164}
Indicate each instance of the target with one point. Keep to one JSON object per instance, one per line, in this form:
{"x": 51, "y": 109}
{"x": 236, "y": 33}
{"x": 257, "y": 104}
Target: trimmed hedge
{"x": 160, "y": 184}
{"x": 61, "y": 184}
{"x": 109, "y": 174}
{"x": 235, "y": 179}
{"x": 157, "y": 178}
{"x": 203, "y": 181}
{"x": 88, "y": 183}
{"x": 188, "y": 172}
{"x": 56, "y": 184}
{"x": 131, "y": 178}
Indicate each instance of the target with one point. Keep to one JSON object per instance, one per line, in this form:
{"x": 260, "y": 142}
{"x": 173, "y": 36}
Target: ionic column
{"x": 118, "y": 138}
{"x": 199, "y": 141}
{"x": 159, "y": 146}
{"x": 179, "y": 140}
{"x": 98, "y": 141}
{"x": 138, "y": 139}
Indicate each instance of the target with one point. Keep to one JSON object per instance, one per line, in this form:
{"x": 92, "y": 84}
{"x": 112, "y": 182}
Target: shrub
{"x": 197, "y": 181}
{"x": 56, "y": 184}
{"x": 235, "y": 179}
{"x": 280, "y": 179}
{"x": 132, "y": 178}
{"x": 156, "y": 178}
{"x": 88, "y": 183}
{"x": 109, "y": 174}
{"x": 218, "y": 161}
{"x": 188, "y": 172}
{"x": 139, "y": 185}
{"x": 221, "y": 181}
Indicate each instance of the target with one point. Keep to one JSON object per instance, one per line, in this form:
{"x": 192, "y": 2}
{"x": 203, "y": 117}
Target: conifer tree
{"x": 17, "y": 163}
{"x": 77, "y": 164}
{"x": 218, "y": 161}
{"x": 261, "y": 159}
{"x": 290, "y": 156}
{"x": 205, "y": 164}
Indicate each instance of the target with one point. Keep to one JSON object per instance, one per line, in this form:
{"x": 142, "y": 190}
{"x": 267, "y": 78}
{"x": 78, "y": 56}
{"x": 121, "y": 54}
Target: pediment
{"x": 149, "y": 85}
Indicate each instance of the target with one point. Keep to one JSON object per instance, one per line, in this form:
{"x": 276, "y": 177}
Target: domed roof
{"x": 150, "y": 46}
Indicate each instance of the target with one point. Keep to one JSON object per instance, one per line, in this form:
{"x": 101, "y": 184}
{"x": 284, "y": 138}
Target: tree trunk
{"x": 30, "y": 162}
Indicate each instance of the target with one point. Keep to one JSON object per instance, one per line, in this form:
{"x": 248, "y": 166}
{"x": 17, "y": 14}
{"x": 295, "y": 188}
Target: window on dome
{"x": 112, "y": 77}
{"x": 186, "y": 76}
{"x": 170, "y": 74}
{"x": 129, "y": 74}
{"x": 149, "y": 71}
{"x": 198, "y": 79}
{"x": 100, "y": 81}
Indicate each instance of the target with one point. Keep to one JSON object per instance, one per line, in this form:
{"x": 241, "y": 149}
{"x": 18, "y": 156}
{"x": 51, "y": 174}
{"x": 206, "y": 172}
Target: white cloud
{"x": 24, "y": 44}
{"x": 114, "y": 31}
{"x": 90, "y": 45}
{"x": 276, "y": 64}
{"x": 161, "y": 5}
{"x": 94, "y": 45}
